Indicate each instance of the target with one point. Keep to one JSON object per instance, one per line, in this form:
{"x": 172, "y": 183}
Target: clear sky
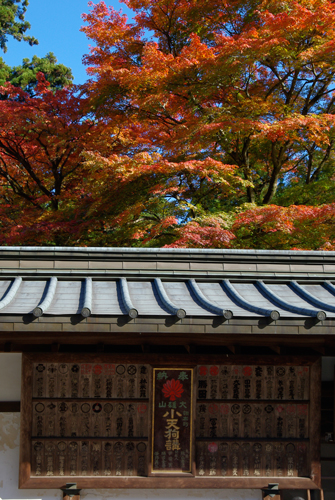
{"x": 56, "y": 25}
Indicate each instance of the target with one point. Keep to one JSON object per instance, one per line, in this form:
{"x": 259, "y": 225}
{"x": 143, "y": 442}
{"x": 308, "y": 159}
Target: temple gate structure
{"x": 166, "y": 373}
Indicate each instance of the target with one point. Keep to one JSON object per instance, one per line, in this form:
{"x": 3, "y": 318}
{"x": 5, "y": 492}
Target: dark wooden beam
{"x": 237, "y": 348}
{"x": 274, "y": 348}
{"x": 9, "y": 406}
{"x": 190, "y": 348}
{"x": 319, "y": 349}
{"x": 184, "y": 336}
{"x": 100, "y": 347}
{"x": 55, "y": 347}
{"x": 145, "y": 348}
{"x": 8, "y": 347}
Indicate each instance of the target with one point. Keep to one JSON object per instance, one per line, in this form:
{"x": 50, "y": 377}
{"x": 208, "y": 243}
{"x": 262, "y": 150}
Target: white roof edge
{"x": 165, "y": 250}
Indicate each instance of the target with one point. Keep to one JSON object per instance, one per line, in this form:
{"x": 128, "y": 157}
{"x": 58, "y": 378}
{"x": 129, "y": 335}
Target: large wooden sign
{"x": 114, "y": 421}
{"x": 172, "y": 420}
{"x": 89, "y": 419}
{"x": 252, "y": 420}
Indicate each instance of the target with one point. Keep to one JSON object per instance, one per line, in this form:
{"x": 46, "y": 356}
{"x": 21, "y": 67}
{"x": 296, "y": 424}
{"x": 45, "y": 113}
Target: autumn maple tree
{"x": 42, "y": 139}
{"x": 65, "y": 177}
{"x": 247, "y": 84}
{"x": 203, "y": 123}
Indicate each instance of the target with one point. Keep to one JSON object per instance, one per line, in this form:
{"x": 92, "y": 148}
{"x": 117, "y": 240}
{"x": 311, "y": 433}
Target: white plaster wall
{"x": 9, "y": 462}
{"x": 9, "y": 471}
{"x": 10, "y": 376}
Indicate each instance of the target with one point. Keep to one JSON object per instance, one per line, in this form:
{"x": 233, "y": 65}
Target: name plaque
{"x": 172, "y": 421}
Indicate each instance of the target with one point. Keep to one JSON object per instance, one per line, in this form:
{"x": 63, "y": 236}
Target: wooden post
{"x": 315, "y": 495}
{"x": 26, "y": 421}
{"x": 315, "y": 422}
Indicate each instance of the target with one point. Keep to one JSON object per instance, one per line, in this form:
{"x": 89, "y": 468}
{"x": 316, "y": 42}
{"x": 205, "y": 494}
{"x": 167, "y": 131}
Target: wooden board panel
{"x": 253, "y": 420}
{"x": 86, "y": 418}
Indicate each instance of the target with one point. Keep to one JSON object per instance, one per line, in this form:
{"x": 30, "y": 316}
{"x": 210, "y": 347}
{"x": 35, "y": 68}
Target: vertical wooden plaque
{"x": 172, "y": 421}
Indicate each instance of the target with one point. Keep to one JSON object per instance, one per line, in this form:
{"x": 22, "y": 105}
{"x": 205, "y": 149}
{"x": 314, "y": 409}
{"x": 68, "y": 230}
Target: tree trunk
{"x": 277, "y": 162}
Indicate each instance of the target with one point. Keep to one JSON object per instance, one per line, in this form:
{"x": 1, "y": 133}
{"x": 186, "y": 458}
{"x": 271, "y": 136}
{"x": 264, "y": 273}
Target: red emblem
{"x": 213, "y": 408}
{"x": 97, "y": 369}
{"x": 86, "y": 369}
{"x": 142, "y": 408}
{"x": 247, "y": 371}
{"x": 212, "y": 447}
{"x": 224, "y": 409}
{"x": 109, "y": 369}
{"x": 214, "y": 370}
{"x": 203, "y": 371}
{"x": 302, "y": 409}
{"x": 172, "y": 389}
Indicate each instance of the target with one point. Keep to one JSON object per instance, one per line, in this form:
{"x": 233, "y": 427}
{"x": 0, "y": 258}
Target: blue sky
{"x": 56, "y": 25}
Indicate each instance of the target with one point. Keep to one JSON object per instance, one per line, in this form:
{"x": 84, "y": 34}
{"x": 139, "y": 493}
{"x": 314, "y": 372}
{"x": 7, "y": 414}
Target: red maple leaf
{"x": 172, "y": 389}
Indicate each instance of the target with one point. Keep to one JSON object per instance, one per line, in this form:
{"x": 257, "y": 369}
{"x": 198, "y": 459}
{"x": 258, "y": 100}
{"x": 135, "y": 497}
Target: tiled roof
{"x": 191, "y": 297}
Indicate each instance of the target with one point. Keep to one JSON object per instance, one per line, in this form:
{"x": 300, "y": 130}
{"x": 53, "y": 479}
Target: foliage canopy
{"x": 13, "y": 23}
{"x": 25, "y": 75}
{"x": 202, "y": 124}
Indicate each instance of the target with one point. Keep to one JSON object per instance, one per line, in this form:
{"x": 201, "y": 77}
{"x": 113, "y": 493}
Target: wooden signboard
{"x": 252, "y": 421}
{"x": 114, "y": 421}
{"x": 172, "y": 420}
